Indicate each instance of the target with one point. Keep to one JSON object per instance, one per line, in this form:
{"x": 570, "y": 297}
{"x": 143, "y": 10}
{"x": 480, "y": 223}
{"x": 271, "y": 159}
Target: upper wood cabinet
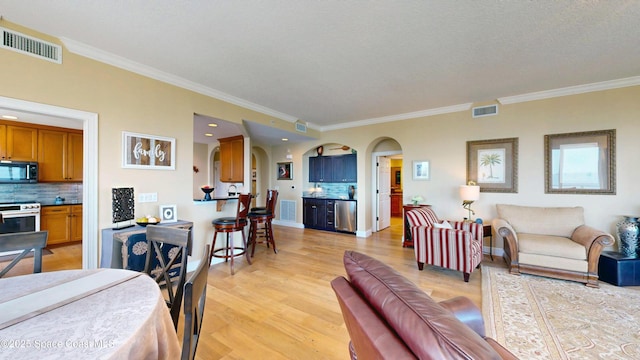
{"x": 232, "y": 159}
{"x": 59, "y": 156}
{"x": 18, "y": 143}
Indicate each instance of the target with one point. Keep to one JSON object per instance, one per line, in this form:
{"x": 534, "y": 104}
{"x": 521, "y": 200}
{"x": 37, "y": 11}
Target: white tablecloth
{"x": 85, "y": 314}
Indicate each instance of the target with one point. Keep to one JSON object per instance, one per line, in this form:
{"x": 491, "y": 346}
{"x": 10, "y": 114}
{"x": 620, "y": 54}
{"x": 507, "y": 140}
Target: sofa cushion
{"x": 422, "y": 217}
{"x": 557, "y": 221}
{"x": 370, "y": 336}
{"x": 551, "y": 245}
{"x": 427, "y": 328}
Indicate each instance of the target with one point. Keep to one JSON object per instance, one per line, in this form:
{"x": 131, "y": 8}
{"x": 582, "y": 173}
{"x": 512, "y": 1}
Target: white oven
{"x": 15, "y": 217}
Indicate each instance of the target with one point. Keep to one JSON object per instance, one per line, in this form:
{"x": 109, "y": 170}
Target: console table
{"x": 619, "y": 270}
{"x": 114, "y": 241}
{"x": 408, "y": 241}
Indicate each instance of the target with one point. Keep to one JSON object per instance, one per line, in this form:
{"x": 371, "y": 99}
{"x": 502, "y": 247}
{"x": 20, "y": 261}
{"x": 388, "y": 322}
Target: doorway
{"x": 54, "y": 115}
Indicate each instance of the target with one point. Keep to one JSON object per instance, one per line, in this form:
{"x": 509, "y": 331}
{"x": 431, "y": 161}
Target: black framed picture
{"x": 285, "y": 171}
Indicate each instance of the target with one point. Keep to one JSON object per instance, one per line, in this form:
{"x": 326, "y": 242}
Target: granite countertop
{"x": 329, "y": 197}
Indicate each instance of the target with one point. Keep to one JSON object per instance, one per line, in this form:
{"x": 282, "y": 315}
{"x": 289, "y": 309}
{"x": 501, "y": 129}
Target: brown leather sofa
{"x": 388, "y": 317}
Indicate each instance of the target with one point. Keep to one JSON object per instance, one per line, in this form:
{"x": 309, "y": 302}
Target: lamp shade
{"x": 470, "y": 192}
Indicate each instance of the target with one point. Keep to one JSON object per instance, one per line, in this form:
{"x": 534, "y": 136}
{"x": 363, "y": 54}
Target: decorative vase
{"x": 628, "y": 231}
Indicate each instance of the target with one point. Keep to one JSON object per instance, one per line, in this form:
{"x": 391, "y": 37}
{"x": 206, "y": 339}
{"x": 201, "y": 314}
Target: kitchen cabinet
{"x": 76, "y": 222}
{"x": 18, "y": 143}
{"x": 320, "y": 168}
{"x": 340, "y": 168}
{"x": 318, "y": 214}
{"x": 396, "y": 204}
{"x": 232, "y": 159}
{"x": 344, "y": 168}
{"x": 63, "y": 222}
{"x": 59, "y": 156}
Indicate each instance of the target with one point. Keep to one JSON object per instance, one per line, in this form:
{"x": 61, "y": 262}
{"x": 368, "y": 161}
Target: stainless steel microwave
{"x": 12, "y": 172}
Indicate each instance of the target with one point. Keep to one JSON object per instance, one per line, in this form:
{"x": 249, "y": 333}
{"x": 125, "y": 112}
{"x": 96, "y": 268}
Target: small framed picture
{"x": 168, "y": 213}
{"x": 285, "y": 171}
{"x": 421, "y": 170}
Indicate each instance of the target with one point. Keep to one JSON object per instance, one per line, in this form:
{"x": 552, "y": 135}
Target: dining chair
{"x": 166, "y": 262}
{"x": 26, "y": 242}
{"x": 195, "y": 295}
{"x": 263, "y": 215}
{"x": 229, "y": 225}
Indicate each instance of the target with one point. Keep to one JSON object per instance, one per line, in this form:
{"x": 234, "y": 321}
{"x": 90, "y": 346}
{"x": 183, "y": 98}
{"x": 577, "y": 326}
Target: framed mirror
{"x": 580, "y": 163}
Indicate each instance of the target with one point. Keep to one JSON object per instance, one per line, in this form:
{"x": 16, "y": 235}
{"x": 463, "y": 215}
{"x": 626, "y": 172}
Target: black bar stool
{"x": 229, "y": 225}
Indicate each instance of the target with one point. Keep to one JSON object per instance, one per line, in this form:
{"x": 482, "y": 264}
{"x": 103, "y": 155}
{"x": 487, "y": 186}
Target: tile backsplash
{"x": 333, "y": 190}
{"x": 44, "y": 193}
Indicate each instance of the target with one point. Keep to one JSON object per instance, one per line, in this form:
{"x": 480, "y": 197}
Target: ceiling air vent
{"x": 481, "y": 111}
{"x": 300, "y": 127}
{"x": 28, "y": 45}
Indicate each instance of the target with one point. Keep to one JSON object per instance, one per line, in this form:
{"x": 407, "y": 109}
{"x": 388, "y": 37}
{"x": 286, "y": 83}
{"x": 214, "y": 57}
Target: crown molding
{"x": 135, "y": 67}
{"x": 405, "y": 116}
{"x": 571, "y": 90}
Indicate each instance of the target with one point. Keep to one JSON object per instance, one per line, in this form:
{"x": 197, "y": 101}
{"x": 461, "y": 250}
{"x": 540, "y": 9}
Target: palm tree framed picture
{"x": 493, "y": 164}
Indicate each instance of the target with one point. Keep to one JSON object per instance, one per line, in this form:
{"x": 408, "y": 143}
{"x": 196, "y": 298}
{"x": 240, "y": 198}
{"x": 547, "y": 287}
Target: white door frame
{"x": 89, "y": 122}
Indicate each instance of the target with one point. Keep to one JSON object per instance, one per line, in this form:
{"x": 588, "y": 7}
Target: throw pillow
{"x": 443, "y": 225}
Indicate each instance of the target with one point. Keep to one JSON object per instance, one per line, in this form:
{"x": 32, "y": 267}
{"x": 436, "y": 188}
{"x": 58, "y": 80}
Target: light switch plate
{"x": 148, "y": 197}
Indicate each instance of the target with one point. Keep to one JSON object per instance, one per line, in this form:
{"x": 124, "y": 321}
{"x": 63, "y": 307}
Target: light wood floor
{"x": 282, "y": 306}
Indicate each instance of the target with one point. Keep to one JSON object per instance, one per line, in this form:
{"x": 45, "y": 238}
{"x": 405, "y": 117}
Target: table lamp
{"x": 469, "y": 193}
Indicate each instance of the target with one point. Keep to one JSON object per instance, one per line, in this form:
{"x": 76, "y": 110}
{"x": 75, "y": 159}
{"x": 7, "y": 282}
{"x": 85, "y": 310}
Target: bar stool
{"x": 229, "y": 225}
{"x": 264, "y": 216}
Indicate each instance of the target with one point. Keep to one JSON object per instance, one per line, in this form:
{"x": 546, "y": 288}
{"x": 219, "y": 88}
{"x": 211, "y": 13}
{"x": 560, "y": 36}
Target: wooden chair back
{"x": 26, "y": 242}
{"x": 244, "y": 203}
{"x": 169, "y": 247}
{"x": 272, "y": 198}
{"x": 195, "y": 295}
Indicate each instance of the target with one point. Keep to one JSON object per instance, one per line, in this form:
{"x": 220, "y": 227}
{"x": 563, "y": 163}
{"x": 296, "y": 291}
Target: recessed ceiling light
{"x": 10, "y": 117}
{"x": 285, "y": 139}
{"x": 213, "y": 125}
{"x": 207, "y": 134}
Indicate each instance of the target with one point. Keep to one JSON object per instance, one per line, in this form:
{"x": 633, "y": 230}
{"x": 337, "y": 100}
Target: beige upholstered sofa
{"x": 551, "y": 241}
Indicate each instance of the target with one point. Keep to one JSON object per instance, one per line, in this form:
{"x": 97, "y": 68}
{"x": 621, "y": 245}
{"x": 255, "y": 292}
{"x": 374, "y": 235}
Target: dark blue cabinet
{"x": 318, "y": 214}
{"x": 340, "y": 168}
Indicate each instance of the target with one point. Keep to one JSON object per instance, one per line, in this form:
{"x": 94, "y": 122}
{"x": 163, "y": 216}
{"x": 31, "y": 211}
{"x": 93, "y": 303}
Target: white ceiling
{"x": 334, "y": 62}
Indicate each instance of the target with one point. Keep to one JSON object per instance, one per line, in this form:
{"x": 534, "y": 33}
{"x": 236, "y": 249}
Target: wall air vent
{"x": 288, "y": 210}
{"x": 484, "y": 111}
{"x": 28, "y": 45}
{"x": 301, "y": 127}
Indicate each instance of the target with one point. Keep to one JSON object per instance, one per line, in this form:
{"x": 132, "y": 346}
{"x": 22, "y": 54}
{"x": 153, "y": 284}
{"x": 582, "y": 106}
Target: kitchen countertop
{"x": 217, "y": 199}
{"x": 330, "y": 197}
{"x": 63, "y": 204}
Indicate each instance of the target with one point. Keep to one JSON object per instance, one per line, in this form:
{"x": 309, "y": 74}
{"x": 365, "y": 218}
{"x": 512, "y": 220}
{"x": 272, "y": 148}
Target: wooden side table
{"x": 407, "y": 240}
{"x": 486, "y": 231}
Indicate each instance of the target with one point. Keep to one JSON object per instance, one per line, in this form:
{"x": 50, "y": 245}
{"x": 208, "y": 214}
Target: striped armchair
{"x": 455, "y": 245}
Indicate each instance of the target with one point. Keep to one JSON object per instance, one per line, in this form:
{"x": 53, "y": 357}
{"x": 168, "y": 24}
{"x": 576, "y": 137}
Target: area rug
{"x": 542, "y": 318}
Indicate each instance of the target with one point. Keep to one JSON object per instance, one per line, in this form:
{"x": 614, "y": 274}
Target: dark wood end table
{"x": 407, "y": 241}
{"x": 486, "y": 231}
